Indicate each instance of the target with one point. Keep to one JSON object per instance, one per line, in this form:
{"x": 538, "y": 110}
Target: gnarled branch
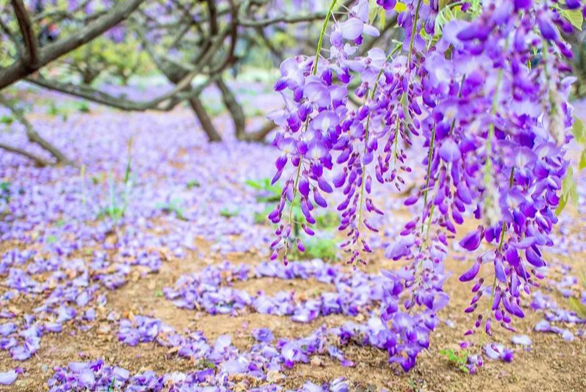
{"x": 36, "y": 159}
{"x": 21, "y": 68}
{"x": 31, "y": 58}
{"x": 33, "y": 136}
{"x": 173, "y": 98}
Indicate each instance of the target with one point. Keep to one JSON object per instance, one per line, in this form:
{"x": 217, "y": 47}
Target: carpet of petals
{"x": 162, "y": 281}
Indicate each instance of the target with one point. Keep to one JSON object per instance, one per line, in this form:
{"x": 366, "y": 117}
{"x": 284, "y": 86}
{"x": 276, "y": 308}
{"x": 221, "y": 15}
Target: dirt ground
{"x": 551, "y": 364}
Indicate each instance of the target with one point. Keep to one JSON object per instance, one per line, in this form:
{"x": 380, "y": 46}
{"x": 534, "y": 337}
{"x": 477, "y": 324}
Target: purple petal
{"x": 449, "y": 151}
{"x": 8, "y": 378}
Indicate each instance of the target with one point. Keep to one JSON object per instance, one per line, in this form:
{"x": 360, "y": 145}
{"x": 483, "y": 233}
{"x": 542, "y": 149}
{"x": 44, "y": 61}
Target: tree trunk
{"x": 204, "y": 120}
{"x": 239, "y": 118}
{"x": 236, "y": 111}
{"x": 175, "y": 75}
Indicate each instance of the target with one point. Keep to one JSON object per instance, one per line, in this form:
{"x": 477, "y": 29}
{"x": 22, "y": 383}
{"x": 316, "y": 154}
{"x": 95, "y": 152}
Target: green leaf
{"x": 582, "y": 163}
{"x": 561, "y": 206}
{"x": 193, "y": 184}
{"x": 254, "y": 184}
{"x": 227, "y": 213}
{"x": 573, "y": 195}
{"x": 442, "y": 4}
{"x": 6, "y": 120}
{"x": 575, "y": 17}
{"x": 373, "y": 11}
{"x": 579, "y": 131}
{"x": 383, "y": 18}
{"x": 400, "y": 7}
{"x": 569, "y": 191}
{"x": 568, "y": 182}
{"x": 578, "y": 307}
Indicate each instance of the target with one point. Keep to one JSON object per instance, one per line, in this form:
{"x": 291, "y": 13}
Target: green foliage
{"x": 229, "y": 213}
{"x": 253, "y": 112}
{"x": 117, "y": 205}
{"x": 447, "y": 13}
{"x": 173, "y": 206}
{"x": 456, "y": 358}
{"x": 192, "y": 184}
{"x": 112, "y": 385}
{"x": 328, "y": 220}
{"x": 268, "y": 193}
{"x": 271, "y": 195}
{"x": 6, "y": 120}
{"x": 213, "y": 110}
{"x": 55, "y": 111}
{"x": 569, "y": 191}
{"x": 5, "y": 192}
{"x": 578, "y": 306}
{"x": 569, "y": 188}
{"x": 205, "y": 364}
{"x": 83, "y": 107}
{"x": 103, "y": 56}
{"x": 579, "y": 131}
{"x": 113, "y": 210}
{"x": 575, "y": 17}
{"x": 319, "y": 248}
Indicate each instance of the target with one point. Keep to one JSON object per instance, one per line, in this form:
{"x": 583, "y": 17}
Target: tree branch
{"x": 31, "y": 57}
{"x": 36, "y": 159}
{"x": 282, "y": 19}
{"x": 261, "y": 134}
{"x": 49, "y": 53}
{"x": 10, "y": 35}
{"x": 174, "y": 97}
{"x": 32, "y": 135}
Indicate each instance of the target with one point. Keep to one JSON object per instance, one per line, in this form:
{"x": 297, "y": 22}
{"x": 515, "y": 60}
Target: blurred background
{"x": 211, "y": 58}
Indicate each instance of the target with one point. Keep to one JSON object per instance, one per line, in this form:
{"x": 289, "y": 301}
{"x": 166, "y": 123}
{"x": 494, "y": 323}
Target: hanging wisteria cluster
{"x": 475, "y": 100}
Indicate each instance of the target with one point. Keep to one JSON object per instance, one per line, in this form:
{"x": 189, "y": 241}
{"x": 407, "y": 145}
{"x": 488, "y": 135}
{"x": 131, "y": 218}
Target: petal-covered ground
{"x": 146, "y": 268}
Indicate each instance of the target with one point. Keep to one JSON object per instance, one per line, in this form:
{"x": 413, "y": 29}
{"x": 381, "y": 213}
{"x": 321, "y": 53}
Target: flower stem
{"x": 429, "y": 158}
{"x": 317, "y": 53}
{"x": 500, "y": 249}
{"x": 413, "y": 31}
{"x": 322, "y": 34}
{"x": 372, "y": 94}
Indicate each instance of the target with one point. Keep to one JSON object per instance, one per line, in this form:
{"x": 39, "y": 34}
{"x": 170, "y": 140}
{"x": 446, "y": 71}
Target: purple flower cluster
{"x": 488, "y": 100}
{"x": 211, "y": 291}
{"x": 554, "y": 315}
{"x": 98, "y": 376}
{"x": 401, "y": 334}
{"x": 223, "y": 359}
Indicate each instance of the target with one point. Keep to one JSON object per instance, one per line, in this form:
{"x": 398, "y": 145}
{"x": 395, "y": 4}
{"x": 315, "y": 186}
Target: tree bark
{"x": 204, "y": 120}
{"x": 33, "y": 136}
{"x": 239, "y": 118}
{"x": 36, "y": 159}
{"x": 37, "y": 58}
{"x": 236, "y": 111}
